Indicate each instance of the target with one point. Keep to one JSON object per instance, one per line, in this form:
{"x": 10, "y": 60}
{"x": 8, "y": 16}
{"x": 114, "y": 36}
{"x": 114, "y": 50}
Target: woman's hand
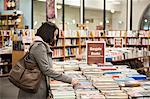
{"x": 74, "y": 82}
{"x": 79, "y": 57}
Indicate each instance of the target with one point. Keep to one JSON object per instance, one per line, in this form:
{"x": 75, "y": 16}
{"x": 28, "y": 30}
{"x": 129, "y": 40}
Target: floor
{"x": 7, "y": 89}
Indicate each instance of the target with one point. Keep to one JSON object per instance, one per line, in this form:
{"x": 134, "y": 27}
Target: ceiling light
{"x": 42, "y": 0}
{"x": 116, "y": 2}
{"x": 59, "y": 7}
{"x": 87, "y": 22}
{"x": 68, "y": 23}
{"x": 145, "y": 20}
{"x": 107, "y": 21}
{"x": 112, "y": 11}
{"x": 120, "y": 22}
{"x": 101, "y": 23}
{"x": 35, "y": 23}
{"x": 110, "y": 0}
{"x": 74, "y": 21}
{"x": 53, "y": 21}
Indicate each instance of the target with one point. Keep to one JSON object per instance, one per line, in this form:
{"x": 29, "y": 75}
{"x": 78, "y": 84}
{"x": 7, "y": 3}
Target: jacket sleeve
{"x": 40, "y": 54}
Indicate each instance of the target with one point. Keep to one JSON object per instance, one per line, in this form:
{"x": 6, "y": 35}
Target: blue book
{"x": 138, "y": 77}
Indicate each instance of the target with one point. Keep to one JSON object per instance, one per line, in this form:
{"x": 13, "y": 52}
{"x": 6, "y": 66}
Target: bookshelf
{"x": 10, "y": 21}
{"x": 5, "y": 52}
{"x": 73, "y": 42}
{"x": 5, "y": 38}
{"x": 67, "y": 46}
{"x": 5, "y": 63}
{"x": 22, "y": 38}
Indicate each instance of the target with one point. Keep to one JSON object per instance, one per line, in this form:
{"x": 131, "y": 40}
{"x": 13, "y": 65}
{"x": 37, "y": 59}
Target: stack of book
{"x": 76, "y": 75}
{"x": 105, "y": 84}
{"x": 146, "y": 85}
{"x": 100, "y": 82}
{"x": 137, "y": 93}
{"x": 109, "y": 88}
{"x": 62, "y": 90}
{"x": 92, "y": 72}
{"x": 71, "y": 67}
{"x": 84, "y": 89}
{"x": 116, "y": 94}
{"x": 92, "y": 94}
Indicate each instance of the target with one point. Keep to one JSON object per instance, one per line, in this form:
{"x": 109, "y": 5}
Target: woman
{"x": 41, "y": 53}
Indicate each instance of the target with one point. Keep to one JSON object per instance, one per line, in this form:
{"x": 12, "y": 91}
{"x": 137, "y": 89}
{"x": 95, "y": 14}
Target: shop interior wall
{"x": 119, "y": 18}
{"x": 39, "y": 13}
{"x": 97, "y": 16}
{"x": 26, "y": 7}
{"x": 139, "y": 7}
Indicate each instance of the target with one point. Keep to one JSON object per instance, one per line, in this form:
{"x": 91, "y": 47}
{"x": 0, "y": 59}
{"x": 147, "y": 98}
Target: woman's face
{"x": 55, "y": 35}
{"x": 55, "y": 38}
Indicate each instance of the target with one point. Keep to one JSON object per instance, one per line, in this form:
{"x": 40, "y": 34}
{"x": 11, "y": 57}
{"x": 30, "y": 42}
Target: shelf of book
{"x": 10, "y": 21}
{"x": 5, "y": 61}
{"x": 76, "y": 39}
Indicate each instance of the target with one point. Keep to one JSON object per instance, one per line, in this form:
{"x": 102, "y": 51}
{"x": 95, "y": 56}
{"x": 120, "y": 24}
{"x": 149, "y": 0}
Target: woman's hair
{"x": 46, "y": 32}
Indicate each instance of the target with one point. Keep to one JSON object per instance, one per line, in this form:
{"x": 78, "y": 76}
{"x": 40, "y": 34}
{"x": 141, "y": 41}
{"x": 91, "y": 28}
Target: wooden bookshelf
{"x": 9, "y": 21}
{"x": 16, "y": 55}
{"x": 5, "y": 38}
{"x": 127, "y": 59}
{"x": 5, "y": 64}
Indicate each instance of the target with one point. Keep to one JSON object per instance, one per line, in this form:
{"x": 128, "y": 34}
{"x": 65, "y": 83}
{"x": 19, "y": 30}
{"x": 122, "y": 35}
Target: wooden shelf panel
{"x": 84, "y": 37}
{"x": 60, "y": 37}
{"x": 113, "y": 37}
{"x": 4, "y": 75}
{"x": 72, "y": 46}
{"x": 6, "y": 64}
{"x": 70, "y": 56}
{"x": 71, "y": 37}
{"x": 4, "y": 15}
{"x": 57, "y": 57}
{"x": 138, "y": 45}
{"x": 129, "y": 59}
{"x": 57, "y": 47}
{"x": 99, "y": 37}
{"x": 7, "y": 36}
{"x": 83, "y": 45}
{"x": 9, "y": 24}
{"x": 5, "y": 53}
{"x": 137, "y": 37}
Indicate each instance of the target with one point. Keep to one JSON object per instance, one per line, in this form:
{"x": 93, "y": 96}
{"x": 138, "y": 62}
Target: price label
{"x": 118, "y": 42}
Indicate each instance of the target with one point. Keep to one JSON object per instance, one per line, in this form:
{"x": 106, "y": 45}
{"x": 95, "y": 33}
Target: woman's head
{"x": 48, "y": 32}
